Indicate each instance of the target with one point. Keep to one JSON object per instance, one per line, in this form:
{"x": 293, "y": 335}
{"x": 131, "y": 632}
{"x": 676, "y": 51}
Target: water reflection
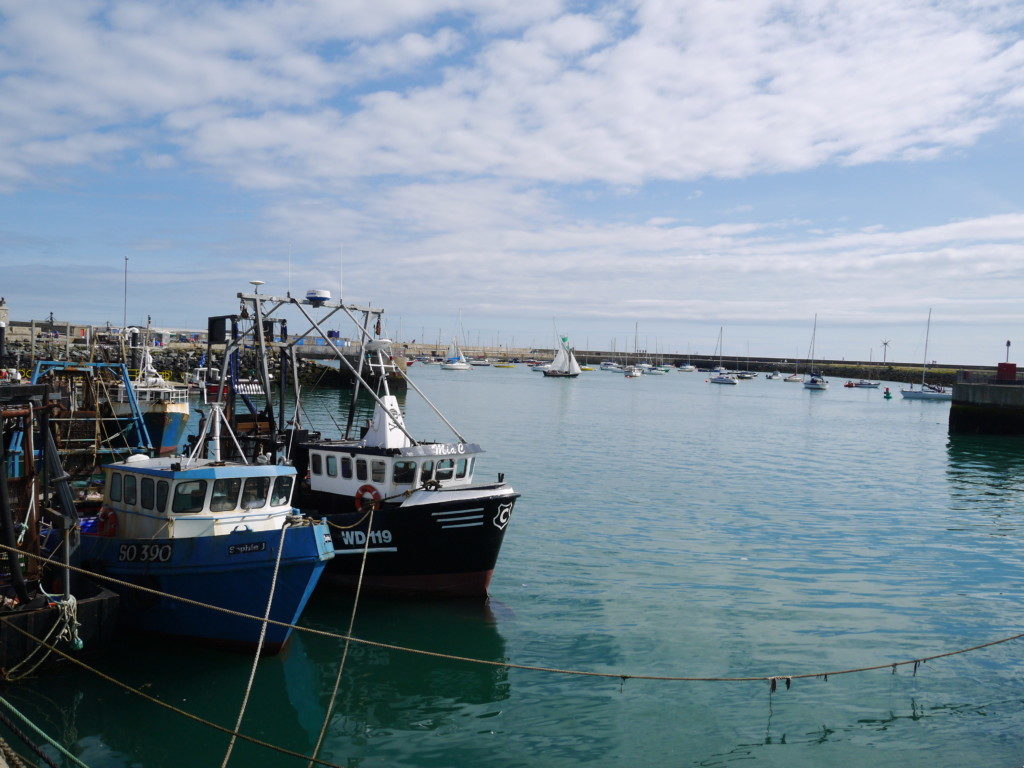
{"x": 382, "y": 691}
{"x": 986, "y": 479}
{"x": 391, "y": 689}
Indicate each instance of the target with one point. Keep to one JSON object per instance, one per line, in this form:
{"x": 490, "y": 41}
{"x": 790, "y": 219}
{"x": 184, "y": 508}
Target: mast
{"x": 927, "y": 333}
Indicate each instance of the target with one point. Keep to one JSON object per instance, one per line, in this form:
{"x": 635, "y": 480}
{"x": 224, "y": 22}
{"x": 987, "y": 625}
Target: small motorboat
{"x": 723, "y": 378}
{"x": 633, "y": 373}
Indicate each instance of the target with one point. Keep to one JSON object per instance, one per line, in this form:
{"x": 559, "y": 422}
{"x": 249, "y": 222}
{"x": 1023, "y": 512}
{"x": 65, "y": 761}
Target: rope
{"x": 40, "y": 732}
{"x": 65, "y": 616}
{"x": 170, "y": 707}
{"x": 259, "y": 646}
{"x": 344, "y": 653}
{"x": 531, "y": 667}
{"x": 12, "y": 757}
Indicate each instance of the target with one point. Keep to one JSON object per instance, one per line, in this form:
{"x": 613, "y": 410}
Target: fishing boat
{"x": 814, "y": 381}
{"x": 927, "y": 391}
{"x": 454, "y": 360}
{"x": 633, "y": 372}
{"x": 41, "y": 599}
{"x": 408, "y": 516}
{"x": 211, "y": 532}
{"x": 608, "y": 365}
{"x": 564, "y": 366}
{"x": 163, "y": 404}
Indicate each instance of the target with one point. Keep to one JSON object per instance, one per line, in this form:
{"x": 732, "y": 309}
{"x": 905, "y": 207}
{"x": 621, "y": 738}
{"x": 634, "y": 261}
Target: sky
{"x": 648, "y": 169}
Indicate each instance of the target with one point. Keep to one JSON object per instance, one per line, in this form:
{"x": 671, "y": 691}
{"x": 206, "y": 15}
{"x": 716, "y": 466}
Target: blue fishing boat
{"x": 212, "y": 532}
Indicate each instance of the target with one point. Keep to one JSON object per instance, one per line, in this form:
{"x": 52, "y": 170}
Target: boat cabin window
{"x": 162, "y": 486}
{"x": 147, "y": 493}
{"x": 332, "y": 466}
{"x": 129, "y": 489}
{"x": 405, "y": 472}
{"x": 445, "y": 468}
{"x": 460, "y": 468}
{"x": 115, "y": 486}
{"x": 346, "y": 467}
{"x": 426, "y": 471}
{"x": 282, "y": 491}
{"x": 225, "y": 494}
{"x": 378, "y": 471}
{"x": 254, "y": 493}
{"x": 360, "y": 469}
{"x": 189, "y": 497}
{"x": 317, "y": 464}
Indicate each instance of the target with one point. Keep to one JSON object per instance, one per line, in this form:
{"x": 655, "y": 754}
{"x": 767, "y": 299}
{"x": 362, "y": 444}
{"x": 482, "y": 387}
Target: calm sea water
{"x": 667, "y": 526}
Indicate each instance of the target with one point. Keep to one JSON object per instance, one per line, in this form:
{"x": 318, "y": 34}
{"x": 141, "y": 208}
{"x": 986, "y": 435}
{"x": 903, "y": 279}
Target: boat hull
{"x": 559, "y": 374}
{"x": 446, "y": 548}
{"x": 232, "y": 571}
{"x": 165, "y": 424}
{"x": 917, "y": 394}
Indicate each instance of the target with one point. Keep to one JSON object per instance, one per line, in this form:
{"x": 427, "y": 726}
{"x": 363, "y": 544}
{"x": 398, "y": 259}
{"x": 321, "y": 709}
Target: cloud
{"x": 620, "y": 94}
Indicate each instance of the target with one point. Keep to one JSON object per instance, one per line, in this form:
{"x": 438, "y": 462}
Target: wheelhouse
{"x": 158, "y": 498}
{"x": 343, "y": 468}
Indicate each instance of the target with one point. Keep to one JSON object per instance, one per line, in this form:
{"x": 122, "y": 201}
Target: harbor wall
{"x": 987, "y": 408}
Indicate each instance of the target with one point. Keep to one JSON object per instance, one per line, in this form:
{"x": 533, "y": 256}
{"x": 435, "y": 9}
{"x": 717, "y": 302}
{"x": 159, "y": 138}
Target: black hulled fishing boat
{"x": 413, "y": 509}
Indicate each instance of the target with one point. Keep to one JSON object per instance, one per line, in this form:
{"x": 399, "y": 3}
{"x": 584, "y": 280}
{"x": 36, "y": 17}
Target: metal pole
{"x": 359, "y": 377}
{"x": 124, "y": 318}
{"x": 412, "y": 384}
{"x": 353, "y": 370}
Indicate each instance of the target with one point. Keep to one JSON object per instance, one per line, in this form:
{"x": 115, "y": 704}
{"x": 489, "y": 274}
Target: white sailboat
{"x": 564, "y": 366}
{"x": 721, "y": 375}
{"x": 815, "y": 381}
{"x": 927, "y": 391}
{"x": 455, "y": 360}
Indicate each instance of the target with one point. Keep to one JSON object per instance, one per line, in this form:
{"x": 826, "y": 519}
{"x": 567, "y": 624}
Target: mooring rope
{"x": 40, "y": 732}
{"x": 348, "y": 641}
{"x": 171, "y": 707}
{"x": 259, "y": 646}
{"x": 772, "y": 679}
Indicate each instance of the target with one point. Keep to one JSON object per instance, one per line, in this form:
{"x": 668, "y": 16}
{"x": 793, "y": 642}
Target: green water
{"x": 667, "y": 526}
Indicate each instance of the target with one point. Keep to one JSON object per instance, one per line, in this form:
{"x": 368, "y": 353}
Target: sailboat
{"x": 454, "y": 359}
{"x": 721, "y": 375}
{"x": 816, "y": 380}
{"x": 927, "y": 391}
{"x": 564, "y": 366}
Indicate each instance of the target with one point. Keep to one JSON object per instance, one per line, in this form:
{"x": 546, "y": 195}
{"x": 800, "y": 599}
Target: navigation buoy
{"x": 888, "y": 394}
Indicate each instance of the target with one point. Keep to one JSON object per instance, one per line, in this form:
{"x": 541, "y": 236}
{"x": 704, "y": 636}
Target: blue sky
{"x": 683, "y": 166}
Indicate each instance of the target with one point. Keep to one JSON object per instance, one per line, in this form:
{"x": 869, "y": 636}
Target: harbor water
{"x": 667, "y": 527}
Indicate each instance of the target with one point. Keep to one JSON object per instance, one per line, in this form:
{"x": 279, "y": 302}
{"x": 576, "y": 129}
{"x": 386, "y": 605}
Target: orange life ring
{"x": 106, "y": 523}
{"x": 367, "y": 490}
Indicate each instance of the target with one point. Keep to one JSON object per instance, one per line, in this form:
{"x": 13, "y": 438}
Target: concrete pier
{"x": 988, "y": 406}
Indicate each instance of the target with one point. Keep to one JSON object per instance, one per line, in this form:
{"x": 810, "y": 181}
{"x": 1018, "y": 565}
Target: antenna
{"x": 289, "y": 270}
{"x": 341, "y": 274}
